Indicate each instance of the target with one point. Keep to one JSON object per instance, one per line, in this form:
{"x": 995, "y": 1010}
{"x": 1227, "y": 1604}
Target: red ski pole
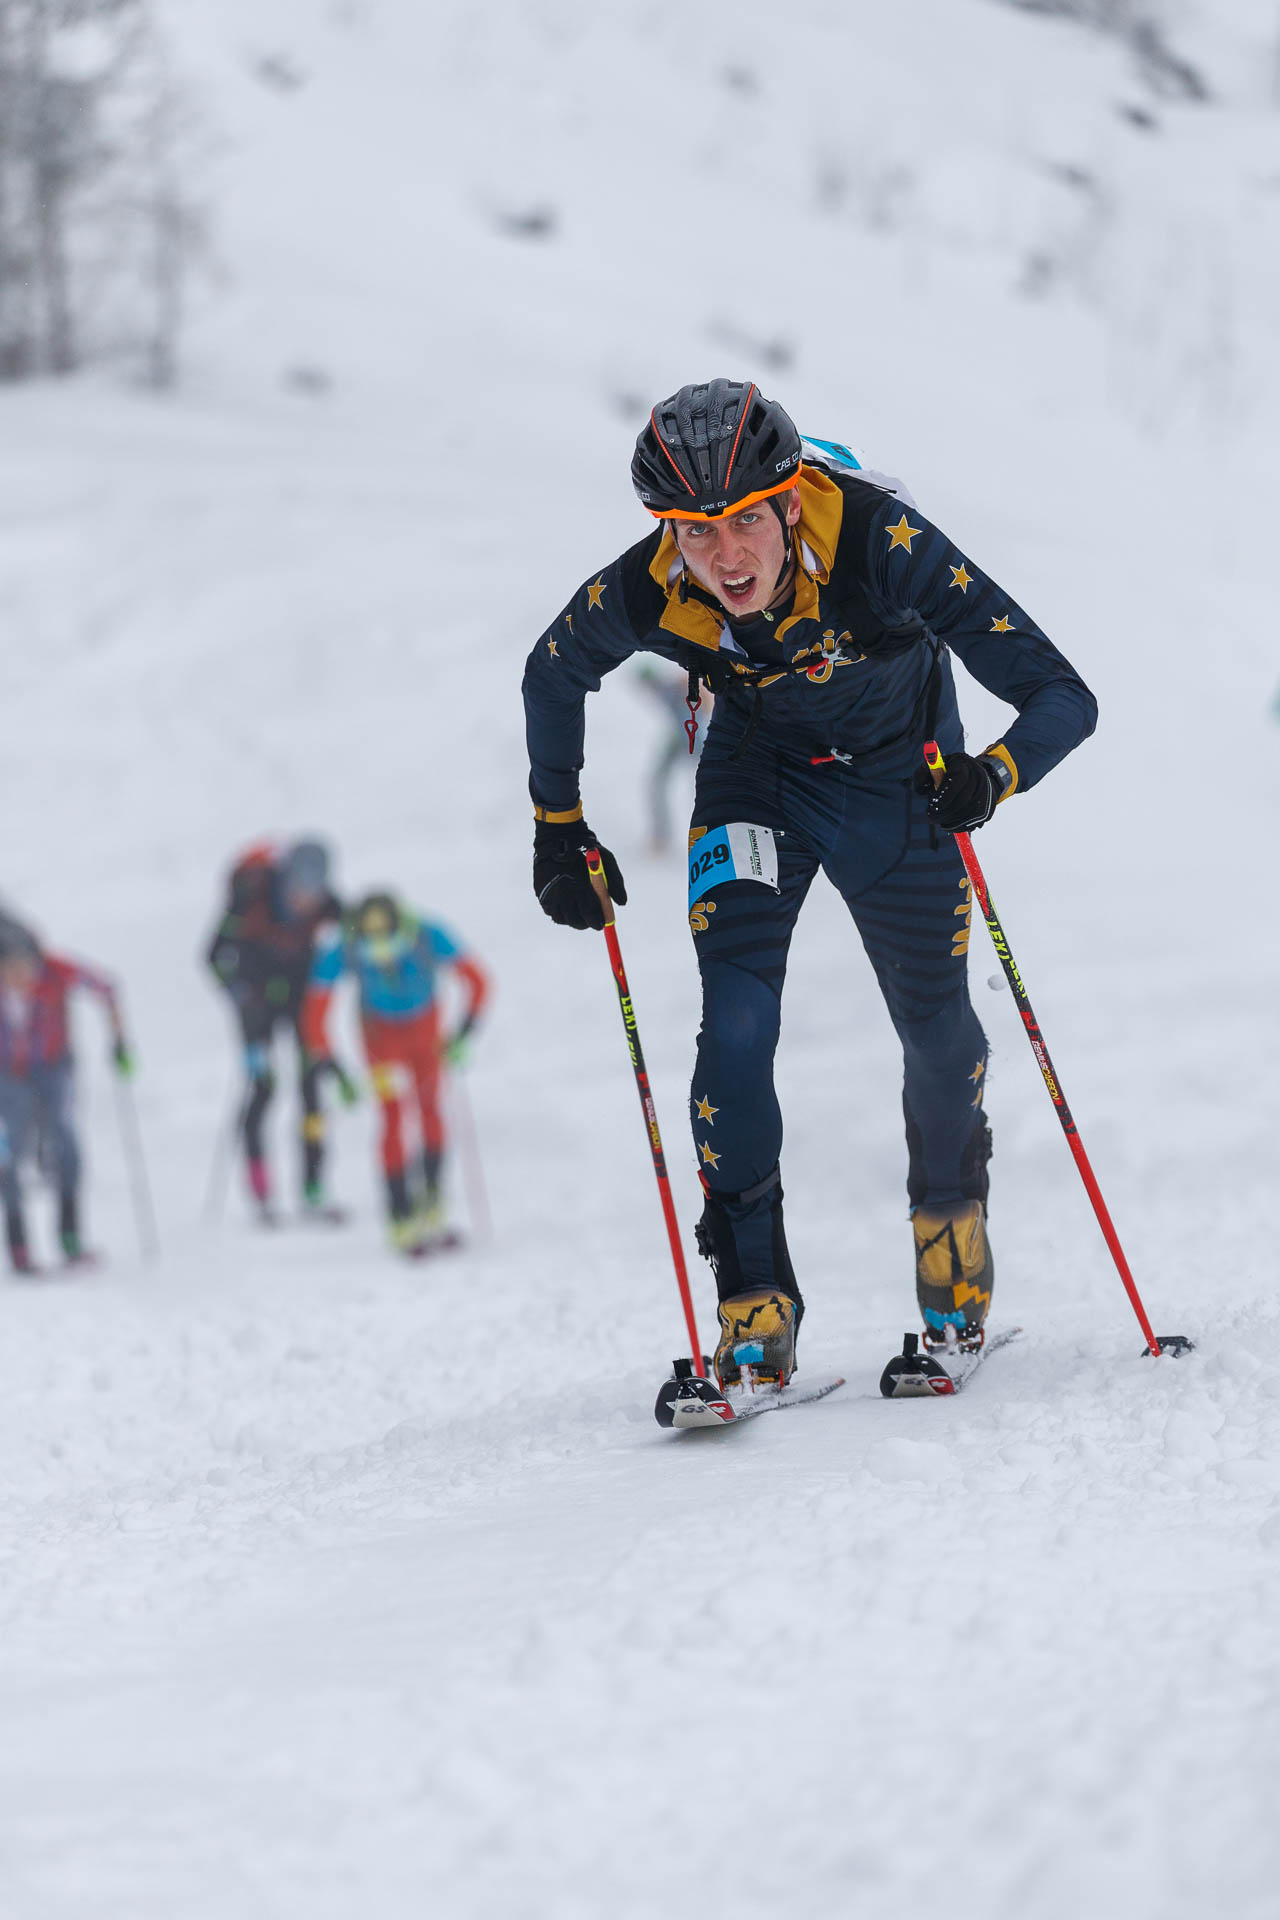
{"x": 1175, "y": 1343}
{"x": 596, "y": 870}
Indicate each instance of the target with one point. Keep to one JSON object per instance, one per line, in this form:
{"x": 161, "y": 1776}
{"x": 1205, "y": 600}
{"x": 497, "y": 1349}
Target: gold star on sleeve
{"x": 902, "y": 535}
{"x": 961, "y": 578}
{"x": 1003, "y": 625}
{"x": 705, "y": 1111}
{"x": 710, "y": 1159}
{"x": 595, "y": 593}
{"x": 978, "y": 1071}
{"x": 552, "y": 648}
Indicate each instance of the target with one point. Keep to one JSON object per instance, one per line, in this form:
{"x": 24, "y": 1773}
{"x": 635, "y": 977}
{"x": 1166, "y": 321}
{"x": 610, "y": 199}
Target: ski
{"x": 322, "y": 1214}
{"x": 689, "y": 1400}
{"x": 326, "y": 1213}
{"x": 69, "y": 1269}
{"x": 430, "y": 1245}
{"x": 912, "y": 1375}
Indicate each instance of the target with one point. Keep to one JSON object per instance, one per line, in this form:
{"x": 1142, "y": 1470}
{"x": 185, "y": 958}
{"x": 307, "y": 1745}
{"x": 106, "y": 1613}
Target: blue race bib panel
{"x": 736, "y": 852}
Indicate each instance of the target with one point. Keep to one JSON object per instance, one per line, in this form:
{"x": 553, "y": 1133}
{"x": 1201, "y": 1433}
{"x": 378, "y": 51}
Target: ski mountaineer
{"x": 37, "y": 1081}
{"x": 397, "y": 960}
{"x": 278, "y": 899}
{"x": 820, "y": 608}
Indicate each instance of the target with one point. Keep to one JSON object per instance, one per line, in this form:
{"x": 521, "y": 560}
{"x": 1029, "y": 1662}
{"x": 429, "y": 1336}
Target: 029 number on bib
{"x": 739, "y": 851}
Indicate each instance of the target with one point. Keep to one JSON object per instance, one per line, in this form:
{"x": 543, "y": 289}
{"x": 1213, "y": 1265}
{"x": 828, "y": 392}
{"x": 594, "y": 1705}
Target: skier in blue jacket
{"x": 820, "y": 606}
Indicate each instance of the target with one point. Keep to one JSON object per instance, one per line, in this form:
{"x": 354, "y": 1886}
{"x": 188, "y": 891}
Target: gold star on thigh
{"x": 978, "y": 1071}
{"x": 960, "y": 577}
{"x": 709, "y": 1159}
{"x": 902, "y": 535}
{"x": 553, "y": 649}
{"x": 1003, "y": 625}
{"x": 705, "y": 1111}
{"x": 595, "y": 593}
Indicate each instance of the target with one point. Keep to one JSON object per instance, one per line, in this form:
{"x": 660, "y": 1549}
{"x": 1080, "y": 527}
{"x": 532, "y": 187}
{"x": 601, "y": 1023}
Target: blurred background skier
{"x": 671, "y": 693}
{"x": 37, "y": 1082}
{"x": 278, "y": 900}
{"x": 820, "y": 607}
{"x": 397, "y": 961}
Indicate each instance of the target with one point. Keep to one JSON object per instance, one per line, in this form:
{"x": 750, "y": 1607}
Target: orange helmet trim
{"x": 738, "y": 506}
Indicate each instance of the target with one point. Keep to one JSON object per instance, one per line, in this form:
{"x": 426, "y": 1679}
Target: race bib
{"x": 737, "y": 852}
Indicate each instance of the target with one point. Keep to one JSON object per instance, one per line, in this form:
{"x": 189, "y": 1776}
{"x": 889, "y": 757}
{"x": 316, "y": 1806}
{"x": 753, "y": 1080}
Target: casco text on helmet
{"x": 714, "y": 448}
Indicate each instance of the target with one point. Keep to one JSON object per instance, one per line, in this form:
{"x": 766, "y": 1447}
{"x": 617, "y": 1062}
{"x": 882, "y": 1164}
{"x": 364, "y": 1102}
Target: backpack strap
{"x": 846, "y": 591}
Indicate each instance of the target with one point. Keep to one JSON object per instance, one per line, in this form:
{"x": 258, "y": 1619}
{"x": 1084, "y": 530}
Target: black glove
{"x": 560, "y": 877}
{"x": 968, "y": 794}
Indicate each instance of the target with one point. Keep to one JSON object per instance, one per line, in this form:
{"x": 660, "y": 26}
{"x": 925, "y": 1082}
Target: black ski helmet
{"x": 376, "y": 916}
{"x": 305, "y": 867}
{"x": 714, "y": 448}
{"x": 381, "y": 928}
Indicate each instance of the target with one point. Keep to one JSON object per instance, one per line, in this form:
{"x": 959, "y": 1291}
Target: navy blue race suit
{"x": 822, "y": 710}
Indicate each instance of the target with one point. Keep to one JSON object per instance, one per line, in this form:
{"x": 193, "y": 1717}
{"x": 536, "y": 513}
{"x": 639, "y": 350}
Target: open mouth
{"x": 738, "y": 588}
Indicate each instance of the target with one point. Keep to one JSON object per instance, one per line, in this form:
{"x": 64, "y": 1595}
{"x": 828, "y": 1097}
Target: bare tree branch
{"x": 96, "y": 234}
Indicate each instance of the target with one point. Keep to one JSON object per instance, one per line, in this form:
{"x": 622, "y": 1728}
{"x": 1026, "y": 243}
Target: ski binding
{"x": 689, "y": 1399}
{"x": 912, "y": 1375}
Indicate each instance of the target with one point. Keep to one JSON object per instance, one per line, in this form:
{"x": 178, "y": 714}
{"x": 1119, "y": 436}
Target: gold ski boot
{"x": 758, "y": 1331}
{"x": 954, "y": 1271}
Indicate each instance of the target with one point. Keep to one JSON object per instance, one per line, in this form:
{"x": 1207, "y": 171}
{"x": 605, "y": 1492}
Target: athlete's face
{"x": 301, "y": 901}
{"x": 739, "y": 558}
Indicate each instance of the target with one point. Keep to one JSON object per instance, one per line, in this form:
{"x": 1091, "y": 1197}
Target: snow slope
{"x": 331, "y": 1589}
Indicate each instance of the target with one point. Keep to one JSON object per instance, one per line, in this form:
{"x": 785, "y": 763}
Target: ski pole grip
{"x": 934, "y": 761}
{"x": 595, "y": 870}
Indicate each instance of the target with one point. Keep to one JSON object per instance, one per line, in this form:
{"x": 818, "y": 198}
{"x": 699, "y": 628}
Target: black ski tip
{"x": 1174, "y": 1344}
{"x": 912, "y": 1375}
{"x": 683, "y": 1387}
{"x": 664, "y": 1407}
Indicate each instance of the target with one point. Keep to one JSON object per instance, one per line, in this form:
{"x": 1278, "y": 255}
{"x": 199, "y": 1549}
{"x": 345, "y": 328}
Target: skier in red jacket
{"x": 37, "y": 1078}
{"x": 400, "y": 962}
